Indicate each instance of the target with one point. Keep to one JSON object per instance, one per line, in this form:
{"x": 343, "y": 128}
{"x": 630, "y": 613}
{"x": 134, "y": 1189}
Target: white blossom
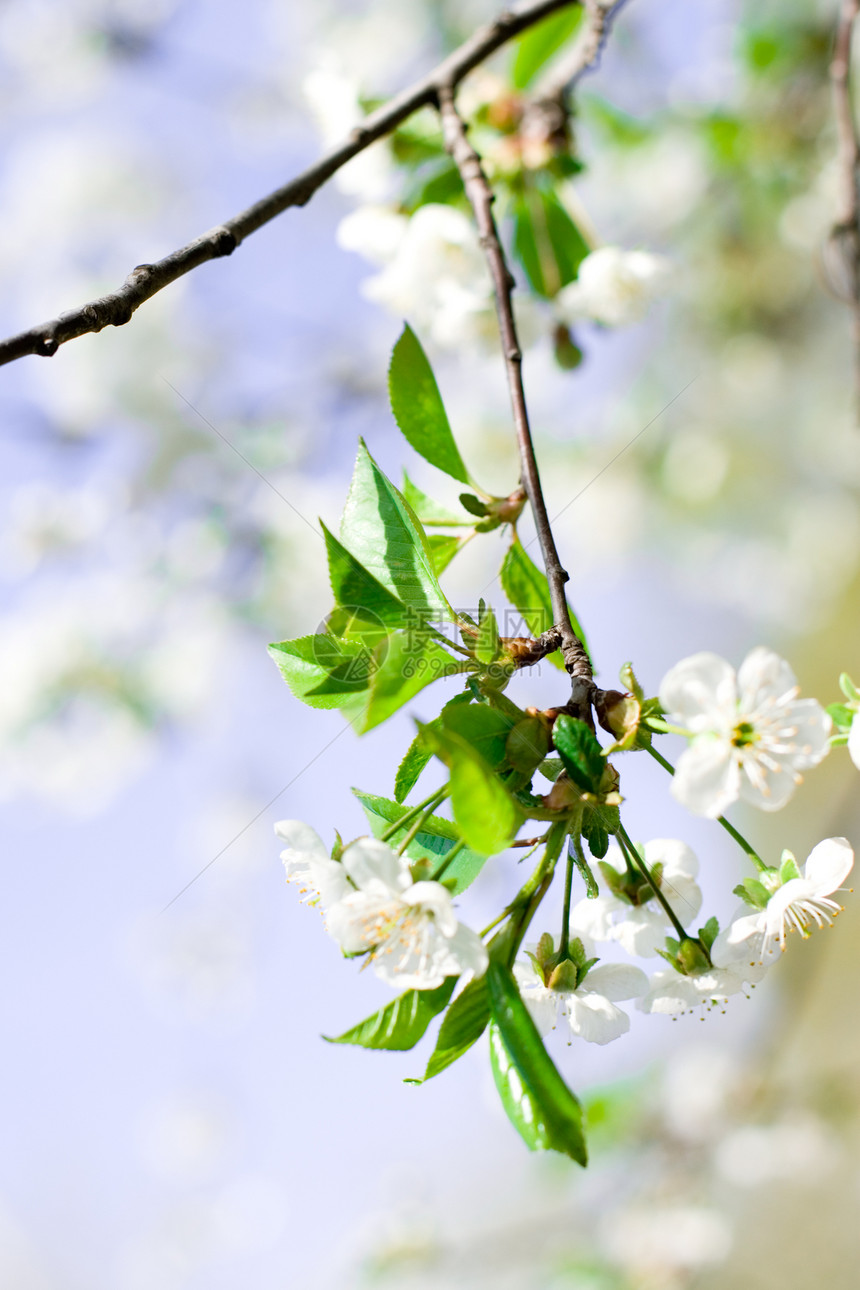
{"x": 641, "y": 929}
{"x": 588, "y": 1010}
{"x": 409, "y": 928}
{"x": 794, "y": 905}
{"x": 671, "y": 993}
{"x": 376, "y": 232}
{"x": 750, "y": 735}
{"x": 335, "y": 100}
{"x": 321, "y": 880}
{"x": 613, "y": 287}
{"x": 854, "y": 740}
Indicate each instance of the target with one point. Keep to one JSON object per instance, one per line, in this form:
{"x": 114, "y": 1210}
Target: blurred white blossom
{"x": 613, "y": 287}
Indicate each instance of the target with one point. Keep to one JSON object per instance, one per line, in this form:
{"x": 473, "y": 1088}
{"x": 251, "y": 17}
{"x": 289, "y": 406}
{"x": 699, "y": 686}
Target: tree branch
{"x": 845, "y": 234}
{"x": 146, "y": 280}
{"x": 480, "y": 197}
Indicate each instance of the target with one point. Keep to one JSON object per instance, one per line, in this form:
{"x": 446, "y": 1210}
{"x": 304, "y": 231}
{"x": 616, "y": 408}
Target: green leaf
{"x": 595, "y": 833}
{"x": 382, "y": 531}
{"x": 418, "y": 408}
{"x": 487, "y": 644}
{"x": 537, "y": 45}
{"x": 486, "y": 814}
{"x": 483, "y": 727}
{"x": 433, "y": 842}
{"x": 575, "y": 852}
{"x": 547, "y": 242}
{"x": 428, "y": 511}
{"x": 579, "y": 750}
{"x": 415, "y": 759}
{"x": 356, "y": 589}
{"x": 443, "y": 547}
{"x": 527, "y": 745}
{"x": 412, "y": 660}
{"x": 538, "y": 1102}
{"x": 528, "y": 590}
{"x": 306, "y": 663}
{"x": 402, "y": 1022}
{"x": 463, "y": 1023}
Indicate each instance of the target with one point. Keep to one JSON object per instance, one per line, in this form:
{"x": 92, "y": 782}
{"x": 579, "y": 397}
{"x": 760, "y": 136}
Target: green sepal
{"x": 788, "y": 869}
{"x": 841, "y": 715}
{"x": 848, "y": 688}
{"x": 753, "y": 892}
{"x": 487, "y": 648}
{"x": 578, "y": 748}
{"x": 474, "y": 505}
{"x": 709, "y": 933}
{"x": 463, "y": 1024}
{"x": 418, "y": 408}
{"x": 401, "y": 1023}
{"x": 538, "y": 1103}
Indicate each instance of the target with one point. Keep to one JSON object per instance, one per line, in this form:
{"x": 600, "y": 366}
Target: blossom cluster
{"x": 749, "y": 736}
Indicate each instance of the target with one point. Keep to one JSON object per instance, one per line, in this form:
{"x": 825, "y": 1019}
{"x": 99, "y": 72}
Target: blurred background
{"x": 171, "y": 1116}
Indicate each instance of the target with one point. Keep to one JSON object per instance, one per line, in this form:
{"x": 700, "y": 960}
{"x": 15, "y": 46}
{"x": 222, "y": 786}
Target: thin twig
{"x": 565, "y": 73}
{"x": 845, "y": 234}
{"x": 146, "y": 280}
{"x": 480, "y": 196}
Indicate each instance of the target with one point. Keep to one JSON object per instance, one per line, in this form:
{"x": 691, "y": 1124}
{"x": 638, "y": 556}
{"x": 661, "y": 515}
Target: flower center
{"x": 745, "y": 734}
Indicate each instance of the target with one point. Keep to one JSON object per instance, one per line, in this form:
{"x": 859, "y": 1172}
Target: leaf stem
{"x": 421, "y": 820}
{"x": 446, "y": 859}
{"x": 634, "y": 856}
{"x": 564, "y": 941}
{"x": 441, "y": 793}
{"x": 721, "y": 819}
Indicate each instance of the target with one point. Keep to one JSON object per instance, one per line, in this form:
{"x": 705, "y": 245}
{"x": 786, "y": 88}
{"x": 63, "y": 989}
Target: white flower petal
{"x": 700, "y": 692}
{"x": 812, "y": 732}
{"x": 301, "y": 839}
{"x": 854, "y": 740}
{"x": 373, "y": 866}
{"x": 615, "y": 981}
{"x": 829, "y": 864}
{"x": 643, "y": 930}
{"x": 468, "y": 951}
{"x": 593, "y": 1017}
{"x": 359, "y": 920}
{"x": 596, "y": 917}
{"x": 707, "y": 777}
{"x": 678, "y": 860}
{"x": 766, "y": 786}
{"x": 436, "y": 900}
{"x": 763, "y": 674}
